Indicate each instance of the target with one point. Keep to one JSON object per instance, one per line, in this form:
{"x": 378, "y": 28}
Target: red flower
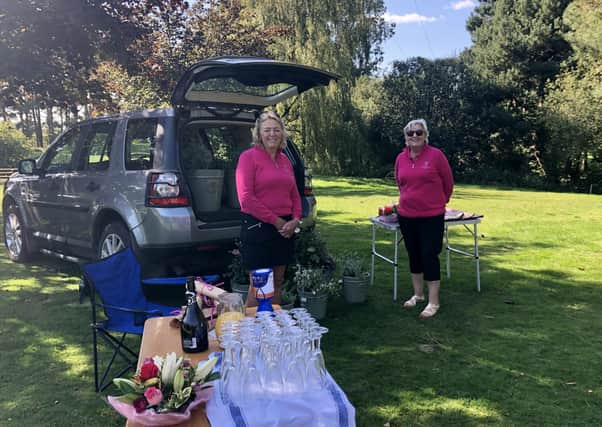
{"x": 148, "y": 370}
{"x": 140, "y": 404}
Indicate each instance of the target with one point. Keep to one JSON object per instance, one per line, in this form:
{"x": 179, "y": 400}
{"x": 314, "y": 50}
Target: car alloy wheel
{"x": 15, "y": 239}
{"x": 114, "y": 238}
{"x": 111, "y": 245}
{"x": 12, "y": 235}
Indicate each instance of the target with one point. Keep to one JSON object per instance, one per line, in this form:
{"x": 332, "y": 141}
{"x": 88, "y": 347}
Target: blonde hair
{"x": 266, "y": 115}
{"x": 420, "y": 122}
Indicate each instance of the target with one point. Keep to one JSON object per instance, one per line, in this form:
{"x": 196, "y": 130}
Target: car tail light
{"x": 165, "y": 190}
{"x": 308, "y": 189}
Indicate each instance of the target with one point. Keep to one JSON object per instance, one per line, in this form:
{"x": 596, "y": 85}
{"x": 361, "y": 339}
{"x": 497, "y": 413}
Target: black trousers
{"x": 423, "y": 239}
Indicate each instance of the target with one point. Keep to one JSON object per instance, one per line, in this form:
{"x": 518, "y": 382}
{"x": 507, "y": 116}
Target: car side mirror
{"x": 27, "y": 166}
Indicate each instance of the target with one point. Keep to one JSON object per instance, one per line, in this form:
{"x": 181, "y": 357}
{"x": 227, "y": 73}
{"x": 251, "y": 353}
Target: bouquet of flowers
{"x": 163, "y": 386}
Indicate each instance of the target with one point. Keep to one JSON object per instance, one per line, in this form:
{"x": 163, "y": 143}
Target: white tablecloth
{"x": 328, "y": 407}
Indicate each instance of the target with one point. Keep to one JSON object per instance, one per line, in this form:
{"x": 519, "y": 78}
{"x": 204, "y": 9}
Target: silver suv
{"x": 160, "y": 181}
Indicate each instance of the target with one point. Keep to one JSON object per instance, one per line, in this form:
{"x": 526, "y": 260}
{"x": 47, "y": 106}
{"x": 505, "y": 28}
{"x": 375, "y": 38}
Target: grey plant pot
{"x": 316, "y": 305}
{"x": 355, "y": 289}
{"x": 287, "y": 305}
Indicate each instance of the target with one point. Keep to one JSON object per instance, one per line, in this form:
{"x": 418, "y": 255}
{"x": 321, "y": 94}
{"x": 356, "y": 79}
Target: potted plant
{"x": 288, "y": 296}
{"x": 314, "y": 288}
{"x": 311, "y": 250}
{"x": 239, "y": 277}
{"x": 355, "y": 277}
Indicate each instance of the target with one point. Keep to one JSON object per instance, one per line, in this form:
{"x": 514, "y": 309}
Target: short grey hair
{"x": 420, "y": 122}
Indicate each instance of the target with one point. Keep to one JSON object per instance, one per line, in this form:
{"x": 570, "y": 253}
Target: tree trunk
{"x": 50, "y": 122}
{"x": 74, "y": 113}
{"x": 37, "y": 123}
{"x": 26, "y": 124}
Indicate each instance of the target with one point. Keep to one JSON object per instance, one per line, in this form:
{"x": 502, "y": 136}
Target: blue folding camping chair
{"x": 115, "y": 286}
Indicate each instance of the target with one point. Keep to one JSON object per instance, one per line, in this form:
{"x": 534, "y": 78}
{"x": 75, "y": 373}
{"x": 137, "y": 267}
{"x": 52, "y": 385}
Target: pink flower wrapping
{"x": 152, "y": 419}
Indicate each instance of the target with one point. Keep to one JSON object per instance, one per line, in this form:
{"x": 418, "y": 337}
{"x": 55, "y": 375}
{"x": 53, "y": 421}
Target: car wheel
{"x": 114, "y": 238}
{"x": 15, "y": 236}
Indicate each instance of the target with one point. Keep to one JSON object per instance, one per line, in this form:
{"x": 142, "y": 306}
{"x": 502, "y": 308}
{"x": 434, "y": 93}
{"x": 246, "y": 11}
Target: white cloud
{"x": 463, "y": 4}
{"x": 409, "y": 18}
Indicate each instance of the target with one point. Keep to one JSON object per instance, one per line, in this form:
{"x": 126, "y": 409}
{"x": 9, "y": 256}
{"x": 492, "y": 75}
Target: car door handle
{"x": 92, "y": 186}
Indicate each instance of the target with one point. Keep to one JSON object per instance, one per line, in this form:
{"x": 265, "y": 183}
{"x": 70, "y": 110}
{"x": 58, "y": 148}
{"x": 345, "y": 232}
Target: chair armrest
{"x": 165, "y": 281}
{"x": 140, "y": 316}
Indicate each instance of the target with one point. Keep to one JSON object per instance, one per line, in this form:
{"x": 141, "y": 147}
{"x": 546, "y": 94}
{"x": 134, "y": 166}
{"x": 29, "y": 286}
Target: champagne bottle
{"x": 194, "y": 327}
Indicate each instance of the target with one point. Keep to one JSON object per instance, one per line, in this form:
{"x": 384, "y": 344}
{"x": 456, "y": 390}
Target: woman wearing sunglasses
{"x": 425, "y": 184}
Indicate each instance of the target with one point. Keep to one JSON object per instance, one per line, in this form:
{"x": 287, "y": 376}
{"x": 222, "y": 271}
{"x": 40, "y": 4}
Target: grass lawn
{"x": 526, "y": 351}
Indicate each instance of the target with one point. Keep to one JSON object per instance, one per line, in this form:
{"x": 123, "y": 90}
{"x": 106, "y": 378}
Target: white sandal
{"x": 413, "y": 301}
{"x": 429, "y": 311}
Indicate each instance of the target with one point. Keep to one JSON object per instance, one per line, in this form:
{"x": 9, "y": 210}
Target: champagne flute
{"x": 230, "y": 308}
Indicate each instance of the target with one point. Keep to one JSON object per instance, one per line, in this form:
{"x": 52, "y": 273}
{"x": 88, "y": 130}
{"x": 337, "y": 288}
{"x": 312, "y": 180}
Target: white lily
{"x": 205, "y": 369}
{"x": 170, "y": 366}
{"x": 158, "y": 360}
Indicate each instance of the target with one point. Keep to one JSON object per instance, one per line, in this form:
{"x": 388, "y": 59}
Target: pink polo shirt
{"x": 425, "y": 183}
{"x": 267, "y": 188}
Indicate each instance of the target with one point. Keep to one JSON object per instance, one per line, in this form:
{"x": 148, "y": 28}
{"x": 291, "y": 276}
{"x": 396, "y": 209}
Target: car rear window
{"x": 231, "y": 85}
{"x": 212, "y": 147}
{"x": 141, "y": 136}
{"x": 96, "y": 146}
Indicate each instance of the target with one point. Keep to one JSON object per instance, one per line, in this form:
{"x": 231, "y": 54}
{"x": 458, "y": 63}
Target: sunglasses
{"x": 414, "y": 132}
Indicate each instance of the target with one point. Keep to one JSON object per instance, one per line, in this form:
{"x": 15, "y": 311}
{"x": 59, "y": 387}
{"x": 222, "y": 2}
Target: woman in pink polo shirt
{"x": 425, "y": 184}
{"x": 270, "y": 203}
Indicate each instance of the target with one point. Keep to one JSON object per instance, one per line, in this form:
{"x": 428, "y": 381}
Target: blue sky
{"x": 427, "y": 28}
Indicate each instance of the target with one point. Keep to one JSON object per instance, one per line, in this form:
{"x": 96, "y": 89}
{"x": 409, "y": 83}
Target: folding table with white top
{"x": 452, "y": 218}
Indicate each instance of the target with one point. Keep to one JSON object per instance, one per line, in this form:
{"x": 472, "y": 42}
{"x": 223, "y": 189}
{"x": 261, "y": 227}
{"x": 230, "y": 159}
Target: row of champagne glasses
{"x": 271, "y": 355}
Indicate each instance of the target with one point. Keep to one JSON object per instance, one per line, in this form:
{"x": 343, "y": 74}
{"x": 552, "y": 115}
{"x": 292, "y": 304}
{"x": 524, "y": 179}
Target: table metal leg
{"x": 395, "y": 262}
{"x": 476, "y": 257}
{"x": 373, "y": 252}
{"x": 447, "y": 251}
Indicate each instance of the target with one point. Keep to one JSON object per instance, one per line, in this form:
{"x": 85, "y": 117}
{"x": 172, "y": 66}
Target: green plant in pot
{"x": 314, "y": 288}
{"x": 311, "y": 250}
{"x": 239, "y": 277}
{"x": 288, "y": 295}
{"x": 355, "y": 277}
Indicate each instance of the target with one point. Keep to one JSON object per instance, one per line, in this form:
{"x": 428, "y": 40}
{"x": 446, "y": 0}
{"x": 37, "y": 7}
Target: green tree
{"x": 518, "y": 47}
{"x": 462, "y": 114}
{"x": 573, "y": 106}
{"x": 343, "y": 37}
{"x": 207, "y": 29}
{"x": 49, "y": 49}
{"x": 14, "y": 146}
